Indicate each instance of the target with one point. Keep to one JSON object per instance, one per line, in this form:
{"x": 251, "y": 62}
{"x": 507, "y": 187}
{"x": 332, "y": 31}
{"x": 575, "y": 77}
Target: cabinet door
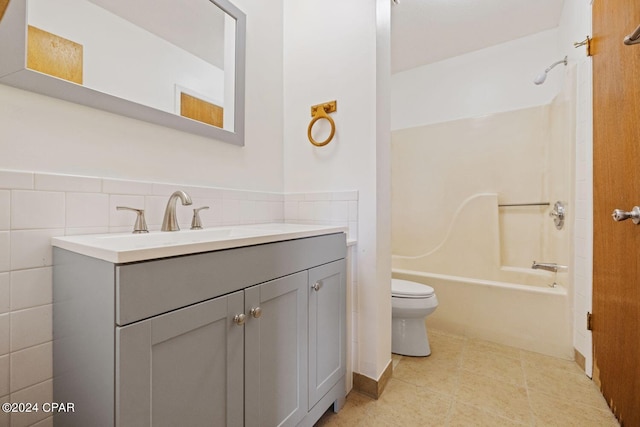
{"x": 276, "y": 352}
{"x": 327, "y": 328}
{"x": 183, "y": 368}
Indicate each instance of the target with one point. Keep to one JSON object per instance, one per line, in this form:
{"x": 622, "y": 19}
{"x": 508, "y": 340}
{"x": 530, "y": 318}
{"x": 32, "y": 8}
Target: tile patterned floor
{"x": 473, "y": 383}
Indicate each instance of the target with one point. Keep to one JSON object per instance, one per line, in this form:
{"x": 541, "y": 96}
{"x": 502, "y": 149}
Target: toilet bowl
{"x": 411, "y": 303}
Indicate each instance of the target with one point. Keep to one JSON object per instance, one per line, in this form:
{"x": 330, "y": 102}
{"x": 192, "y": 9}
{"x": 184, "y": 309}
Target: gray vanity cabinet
{"x": 276, "y": 352}
{"x": 183, "y": 365}
{"x": 327, "y": 326}
{"x": 249, "y": 336}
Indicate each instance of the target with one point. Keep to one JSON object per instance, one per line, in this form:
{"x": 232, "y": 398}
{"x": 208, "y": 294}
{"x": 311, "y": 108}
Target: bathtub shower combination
{"x": 472, "y": 246}
{"x": 477, "y": 297}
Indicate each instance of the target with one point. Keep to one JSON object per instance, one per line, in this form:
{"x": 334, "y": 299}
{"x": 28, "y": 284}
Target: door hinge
{"x": 589, "y": 321}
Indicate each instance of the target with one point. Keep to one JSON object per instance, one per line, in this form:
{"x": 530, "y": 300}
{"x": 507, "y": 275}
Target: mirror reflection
{"x": 141, "y": 52}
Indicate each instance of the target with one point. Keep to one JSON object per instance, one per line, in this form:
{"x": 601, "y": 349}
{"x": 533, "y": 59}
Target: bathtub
{"x": 534, "y": 317}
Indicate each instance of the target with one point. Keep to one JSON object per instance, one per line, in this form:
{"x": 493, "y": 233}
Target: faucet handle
{"x": 141, "y": 224}
{"x": 196, "y": 224}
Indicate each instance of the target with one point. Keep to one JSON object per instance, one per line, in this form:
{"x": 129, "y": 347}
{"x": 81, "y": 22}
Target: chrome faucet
{"x": 549, "y": 266}
{"x": 170, "y": 221}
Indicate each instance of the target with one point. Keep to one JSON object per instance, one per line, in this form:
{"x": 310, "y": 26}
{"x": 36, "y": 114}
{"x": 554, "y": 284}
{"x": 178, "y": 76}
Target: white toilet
{"x": 411, "y": 303}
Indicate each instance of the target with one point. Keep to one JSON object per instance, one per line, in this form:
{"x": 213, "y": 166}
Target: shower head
{"x": 540, "y": 78}
{"x": 543, "y": 76}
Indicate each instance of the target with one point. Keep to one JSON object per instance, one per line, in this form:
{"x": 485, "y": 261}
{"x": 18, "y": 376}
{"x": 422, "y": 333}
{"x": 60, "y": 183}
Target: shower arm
{"x": 562, "y": 61}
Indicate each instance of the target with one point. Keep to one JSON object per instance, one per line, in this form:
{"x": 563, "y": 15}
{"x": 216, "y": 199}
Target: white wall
{"x": 119, "y": 161}
{"x": 574, "y": 26}
{"x": 47, "y": 135}
{"x": 331, "y": 53}
{"x": 491, "y": 80}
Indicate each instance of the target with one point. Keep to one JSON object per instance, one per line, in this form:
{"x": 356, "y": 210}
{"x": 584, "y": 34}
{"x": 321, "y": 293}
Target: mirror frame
{"x": 13, "y": 72}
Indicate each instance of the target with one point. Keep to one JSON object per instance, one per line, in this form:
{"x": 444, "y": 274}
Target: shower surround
{"x": 448, "y": 180}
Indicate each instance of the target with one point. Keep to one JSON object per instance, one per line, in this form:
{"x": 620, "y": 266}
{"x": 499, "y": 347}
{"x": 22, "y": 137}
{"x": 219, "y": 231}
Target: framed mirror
{"x": 174, "y": 63}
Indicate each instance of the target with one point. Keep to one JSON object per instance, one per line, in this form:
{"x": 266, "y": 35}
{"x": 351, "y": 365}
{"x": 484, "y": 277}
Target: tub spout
{"x": 549, "y": 266}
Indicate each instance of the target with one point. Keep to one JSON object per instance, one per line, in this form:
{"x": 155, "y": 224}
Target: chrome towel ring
{"x": 318, "y": 112}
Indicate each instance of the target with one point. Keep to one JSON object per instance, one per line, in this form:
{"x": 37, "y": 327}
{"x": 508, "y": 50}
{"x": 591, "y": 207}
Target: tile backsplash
{"x": 331, "y": 208}
{"x": 37, "y": 206}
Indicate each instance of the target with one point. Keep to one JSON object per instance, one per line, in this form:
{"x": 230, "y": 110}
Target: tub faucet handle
{"x": 558, "y": 214}
{"x": 196, "y": 224}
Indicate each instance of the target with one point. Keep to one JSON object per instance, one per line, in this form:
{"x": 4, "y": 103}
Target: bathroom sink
{"x": 122, "y": 248}
{"x": 176, "y": 238}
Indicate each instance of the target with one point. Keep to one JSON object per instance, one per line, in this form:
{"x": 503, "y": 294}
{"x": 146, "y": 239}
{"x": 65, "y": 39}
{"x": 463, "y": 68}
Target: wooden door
{"x": 616, "y": 173}
{"x": 327, "y": 328}
{"x": 275, "y": 357}
{"x": 183, "y": 368}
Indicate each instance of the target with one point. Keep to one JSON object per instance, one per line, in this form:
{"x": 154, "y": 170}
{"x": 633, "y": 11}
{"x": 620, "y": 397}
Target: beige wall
{"x": 449, "y": 178}
{"x": 436, "y": 167}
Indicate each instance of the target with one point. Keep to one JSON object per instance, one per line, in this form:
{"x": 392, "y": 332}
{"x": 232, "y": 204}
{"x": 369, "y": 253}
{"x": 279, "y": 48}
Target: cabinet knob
{"x": 239, "y": 319}
{"x": 256, "y": 312}
{"x": 316, "y": 286}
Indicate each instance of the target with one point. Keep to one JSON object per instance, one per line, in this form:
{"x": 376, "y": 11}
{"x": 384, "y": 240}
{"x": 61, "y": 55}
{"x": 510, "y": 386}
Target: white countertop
{"x": 122, "y": 248}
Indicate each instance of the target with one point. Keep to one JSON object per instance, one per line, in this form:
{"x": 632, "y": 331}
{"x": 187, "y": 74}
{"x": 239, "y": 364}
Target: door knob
{"x": 316, "y": 286}
{"x": 256, "y": 312}
{"x": 621, "y": 215}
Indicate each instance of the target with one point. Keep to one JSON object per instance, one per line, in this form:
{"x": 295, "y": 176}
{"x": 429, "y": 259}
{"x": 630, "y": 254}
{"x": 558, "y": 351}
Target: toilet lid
{"x": 407, "y": 289}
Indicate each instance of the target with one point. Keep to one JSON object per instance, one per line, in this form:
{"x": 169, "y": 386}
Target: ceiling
{"x": 427, "y": 31}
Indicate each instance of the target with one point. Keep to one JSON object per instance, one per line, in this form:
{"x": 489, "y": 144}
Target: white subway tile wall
{"x": 5, "y": 286}
{"x": 37, "y": 206}
{"x": 30, "y": 366}
{"x": 30, "y": 327}
{"x": 37, "y": 209}
{"x": 4, "y": 375}
{"x": 4, "y": 335}
{"x": 4, "y": 417}
{"x": 32, "y": 248}
{"x": 30, "y": 288}
{"x": 5, "y": 211}
{"x": 40, "y": 392}
{"x": 5, "y": 251}
{"x": 86, "y": 210}
{"x": 335, "y": 208}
